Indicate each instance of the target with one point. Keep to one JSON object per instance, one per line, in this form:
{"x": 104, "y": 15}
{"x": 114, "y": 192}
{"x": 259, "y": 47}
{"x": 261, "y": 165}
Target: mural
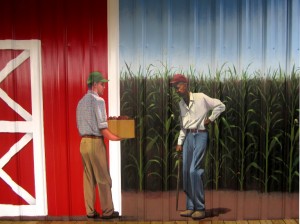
{"x": 47, "y": 49}
{"x": 245, "y": 53}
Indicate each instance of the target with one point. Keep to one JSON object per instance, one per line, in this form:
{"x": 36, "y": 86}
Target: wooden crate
{"x": 122, "y": 128}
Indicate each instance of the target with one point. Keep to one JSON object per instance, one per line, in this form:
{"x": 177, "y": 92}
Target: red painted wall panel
{"x": 73, "y": 35}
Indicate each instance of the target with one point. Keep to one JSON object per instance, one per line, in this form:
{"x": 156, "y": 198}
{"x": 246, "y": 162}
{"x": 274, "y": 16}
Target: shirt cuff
{"x": 103, "y": 125}
{"x": 180, "y": 142}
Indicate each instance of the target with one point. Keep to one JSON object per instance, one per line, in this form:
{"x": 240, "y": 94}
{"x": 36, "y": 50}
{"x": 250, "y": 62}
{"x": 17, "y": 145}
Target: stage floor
{"x": 224, "y": 207}
{"x": 281, "y": 221}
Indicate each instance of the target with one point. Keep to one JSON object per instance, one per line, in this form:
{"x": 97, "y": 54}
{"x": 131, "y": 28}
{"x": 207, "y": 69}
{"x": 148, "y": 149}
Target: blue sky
{"x": 205, "y": 34}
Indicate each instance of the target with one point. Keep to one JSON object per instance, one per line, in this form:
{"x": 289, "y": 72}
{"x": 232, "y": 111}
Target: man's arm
{"x": 216, "y": 106}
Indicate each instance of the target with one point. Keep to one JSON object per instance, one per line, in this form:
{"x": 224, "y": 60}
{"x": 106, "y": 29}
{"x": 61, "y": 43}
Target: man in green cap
{"x": 92, "y": 125}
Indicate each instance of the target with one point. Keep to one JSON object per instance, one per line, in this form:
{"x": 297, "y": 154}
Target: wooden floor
{"x": 281, "y": 221}
{"x": 222, "y": 207}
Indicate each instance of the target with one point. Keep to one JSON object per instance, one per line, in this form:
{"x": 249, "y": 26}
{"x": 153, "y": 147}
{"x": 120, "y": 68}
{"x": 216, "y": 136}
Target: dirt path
{"x": 220, "y": 205}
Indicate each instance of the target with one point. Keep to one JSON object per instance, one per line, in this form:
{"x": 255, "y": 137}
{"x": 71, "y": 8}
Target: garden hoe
{"x": 179, "y": 158}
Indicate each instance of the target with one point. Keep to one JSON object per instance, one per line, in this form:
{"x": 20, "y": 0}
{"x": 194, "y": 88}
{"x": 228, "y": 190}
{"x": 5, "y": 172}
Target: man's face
{"x": 181, "y": 88}
{"x": 99, "y": 87}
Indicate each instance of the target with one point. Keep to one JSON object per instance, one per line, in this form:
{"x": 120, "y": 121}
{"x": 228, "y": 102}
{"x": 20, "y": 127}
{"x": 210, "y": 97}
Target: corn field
{"x": 253, "y": 145}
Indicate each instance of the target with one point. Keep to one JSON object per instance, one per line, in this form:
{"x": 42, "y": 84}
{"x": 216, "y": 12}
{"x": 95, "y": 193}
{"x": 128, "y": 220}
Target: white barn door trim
{"x": 33, "y": 127}
{"x": 114, "y": 98}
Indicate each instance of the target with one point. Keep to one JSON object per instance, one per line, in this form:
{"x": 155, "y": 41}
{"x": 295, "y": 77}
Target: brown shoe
{"x": 198, "y": 215}
{"x": 186, "y": 213}
{"x": 94, "y": 216}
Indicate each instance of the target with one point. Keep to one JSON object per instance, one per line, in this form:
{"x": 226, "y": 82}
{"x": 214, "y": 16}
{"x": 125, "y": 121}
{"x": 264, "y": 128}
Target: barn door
{"x": 22, "y": 154}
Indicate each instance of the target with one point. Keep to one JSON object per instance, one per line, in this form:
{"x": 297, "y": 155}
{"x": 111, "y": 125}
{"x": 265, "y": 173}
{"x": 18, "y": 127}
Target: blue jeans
{"x": 194, "y": 148}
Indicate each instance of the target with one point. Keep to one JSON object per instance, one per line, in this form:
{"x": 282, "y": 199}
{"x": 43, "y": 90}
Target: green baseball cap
{"x": 95, "y": 77}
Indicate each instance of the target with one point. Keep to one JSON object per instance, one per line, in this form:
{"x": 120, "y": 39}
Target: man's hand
{"x": 179, "y": 148}
{"x": 110, "y": 136}
{"x": 207, "y": 122}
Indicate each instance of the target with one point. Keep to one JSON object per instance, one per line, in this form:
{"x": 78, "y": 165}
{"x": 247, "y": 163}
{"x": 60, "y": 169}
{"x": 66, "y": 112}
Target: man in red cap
{"x": 192, "y": 140}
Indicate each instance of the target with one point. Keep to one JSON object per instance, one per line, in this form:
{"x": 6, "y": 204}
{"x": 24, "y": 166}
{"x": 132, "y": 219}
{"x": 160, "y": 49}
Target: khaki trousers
{"x": 96, "y": 173}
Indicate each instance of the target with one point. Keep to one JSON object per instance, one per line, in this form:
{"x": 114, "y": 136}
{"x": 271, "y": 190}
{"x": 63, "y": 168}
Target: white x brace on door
{"x": 32, "y": 127}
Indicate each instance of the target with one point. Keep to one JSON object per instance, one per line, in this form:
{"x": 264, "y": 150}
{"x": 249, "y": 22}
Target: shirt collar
{"x": 191, "y": 100}
{"x": 191, "y": 97}
{"x": 92, "y": 92}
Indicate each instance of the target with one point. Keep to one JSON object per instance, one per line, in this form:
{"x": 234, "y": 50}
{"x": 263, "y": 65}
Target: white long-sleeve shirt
{"x": 193, "y": 115}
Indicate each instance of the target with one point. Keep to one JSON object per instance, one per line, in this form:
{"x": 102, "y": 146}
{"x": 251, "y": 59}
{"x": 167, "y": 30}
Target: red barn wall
{"x": 73, "y": 37}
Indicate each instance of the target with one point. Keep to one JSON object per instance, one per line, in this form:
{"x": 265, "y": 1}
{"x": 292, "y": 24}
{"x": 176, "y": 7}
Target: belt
{"x": 195, "y": 130}
{"x": 91, "y": 136}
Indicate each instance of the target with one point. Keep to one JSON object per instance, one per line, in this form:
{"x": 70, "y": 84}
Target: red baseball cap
{"x": 178, "y": 78}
